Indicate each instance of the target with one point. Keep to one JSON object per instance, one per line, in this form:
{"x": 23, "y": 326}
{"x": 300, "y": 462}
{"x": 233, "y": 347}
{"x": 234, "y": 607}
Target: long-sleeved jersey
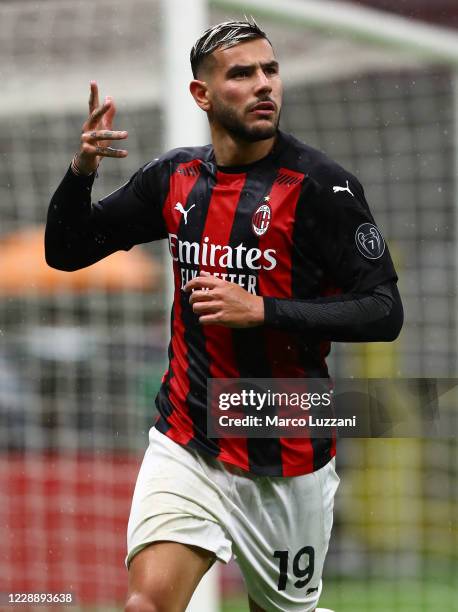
{"x": 293, "y": 227}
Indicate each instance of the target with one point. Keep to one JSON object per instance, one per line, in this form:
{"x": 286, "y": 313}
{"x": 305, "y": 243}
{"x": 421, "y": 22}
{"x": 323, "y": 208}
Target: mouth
{"x": 263, "y": 109}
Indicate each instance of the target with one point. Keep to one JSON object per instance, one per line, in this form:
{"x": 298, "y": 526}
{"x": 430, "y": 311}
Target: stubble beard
{"x": 229, "y": 120}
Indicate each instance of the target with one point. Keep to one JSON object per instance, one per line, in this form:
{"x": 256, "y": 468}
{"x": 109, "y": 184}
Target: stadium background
{"x": 81, "y": 355}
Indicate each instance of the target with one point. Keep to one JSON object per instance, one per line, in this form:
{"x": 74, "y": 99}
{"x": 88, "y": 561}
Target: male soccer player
{"x": 275, "y": 254}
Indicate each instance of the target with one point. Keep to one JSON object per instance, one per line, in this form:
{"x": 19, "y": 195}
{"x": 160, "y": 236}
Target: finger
{"x": 203, "y": 282}
{"x": 88, "y": 149}
{"x": 93, "y": 96}
{"x": 207, "y": 307}
{"x": 96, "y": 116}
{"x": 201, "y": 296}
{"x": 110, "y": 152}
{"x": 96, "y": 135}
{"x": 212, "y": 319}
{"x": 109, "y": 116}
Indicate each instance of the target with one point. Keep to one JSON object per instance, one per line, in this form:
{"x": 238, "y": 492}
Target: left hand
{"x": 218, "y": 302}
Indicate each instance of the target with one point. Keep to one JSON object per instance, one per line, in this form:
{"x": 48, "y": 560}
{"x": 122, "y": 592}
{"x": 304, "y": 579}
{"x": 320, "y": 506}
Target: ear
{"x": 199, "y": 92}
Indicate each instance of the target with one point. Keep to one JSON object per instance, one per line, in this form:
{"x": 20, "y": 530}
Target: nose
{"x": 262, "y": 82}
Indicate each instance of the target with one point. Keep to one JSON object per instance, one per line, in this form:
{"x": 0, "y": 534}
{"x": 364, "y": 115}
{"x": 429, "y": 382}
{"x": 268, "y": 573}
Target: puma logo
{"x": 180, "y": 209}
{"x": 336, "y": 189}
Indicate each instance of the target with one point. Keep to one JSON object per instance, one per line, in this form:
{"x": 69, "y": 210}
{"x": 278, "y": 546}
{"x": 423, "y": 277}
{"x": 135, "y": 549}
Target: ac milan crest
{"x": 261, "y": 219}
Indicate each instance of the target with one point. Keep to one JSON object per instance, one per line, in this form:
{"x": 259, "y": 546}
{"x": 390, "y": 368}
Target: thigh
{"x": 281, "y": 533}
{"x": 164, "y": 575}
{"x": 175, "y": 500}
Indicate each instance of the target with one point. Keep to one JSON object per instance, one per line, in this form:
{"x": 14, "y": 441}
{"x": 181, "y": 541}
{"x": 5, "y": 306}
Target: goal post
{"x": 184, "y": 125}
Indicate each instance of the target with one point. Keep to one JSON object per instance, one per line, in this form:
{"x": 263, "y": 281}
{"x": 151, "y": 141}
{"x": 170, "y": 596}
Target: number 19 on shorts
{"x": 303, "y": 565}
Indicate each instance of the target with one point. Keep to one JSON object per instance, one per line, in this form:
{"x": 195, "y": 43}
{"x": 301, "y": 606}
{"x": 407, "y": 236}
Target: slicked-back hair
{"x": 223, "y": 35}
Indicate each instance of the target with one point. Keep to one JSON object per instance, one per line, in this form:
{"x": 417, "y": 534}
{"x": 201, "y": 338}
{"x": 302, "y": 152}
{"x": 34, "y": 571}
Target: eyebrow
{"x": 238, "y": 67}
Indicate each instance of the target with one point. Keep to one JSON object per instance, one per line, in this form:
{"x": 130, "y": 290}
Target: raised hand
{"x": 97, "y": 134}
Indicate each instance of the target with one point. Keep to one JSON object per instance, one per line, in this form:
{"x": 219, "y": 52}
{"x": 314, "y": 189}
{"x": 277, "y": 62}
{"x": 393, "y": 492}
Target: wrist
{"x": 78, "y": 168}
{"x": 258, "y": 311}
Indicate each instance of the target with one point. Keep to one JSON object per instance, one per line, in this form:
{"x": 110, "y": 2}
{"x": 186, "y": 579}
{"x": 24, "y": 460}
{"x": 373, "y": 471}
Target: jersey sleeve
{"x": 134, "y": 210}
{"x": 349, "y": 243}
{"x": 375, "y": 316}
{"x": 79, "y": 233}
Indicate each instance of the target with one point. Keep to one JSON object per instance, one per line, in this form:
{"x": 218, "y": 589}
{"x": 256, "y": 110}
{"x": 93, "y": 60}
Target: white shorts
{"x": 277, "y": 528}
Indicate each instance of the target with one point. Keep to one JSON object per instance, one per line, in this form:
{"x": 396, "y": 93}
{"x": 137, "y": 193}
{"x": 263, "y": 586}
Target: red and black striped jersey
{"x": 293, "y": 225}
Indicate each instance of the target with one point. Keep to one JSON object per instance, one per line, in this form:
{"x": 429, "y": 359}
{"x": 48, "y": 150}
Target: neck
{"x": 231, "y": 151}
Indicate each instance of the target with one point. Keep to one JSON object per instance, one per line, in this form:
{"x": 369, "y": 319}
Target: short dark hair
{"x": 226, "y": 34}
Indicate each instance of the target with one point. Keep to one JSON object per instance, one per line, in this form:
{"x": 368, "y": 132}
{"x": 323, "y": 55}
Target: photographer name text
{"x": 278, "y": 421}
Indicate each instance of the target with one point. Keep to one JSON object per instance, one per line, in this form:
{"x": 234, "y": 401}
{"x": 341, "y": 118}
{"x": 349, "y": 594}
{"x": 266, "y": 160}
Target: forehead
{"x": 256, "y": 51}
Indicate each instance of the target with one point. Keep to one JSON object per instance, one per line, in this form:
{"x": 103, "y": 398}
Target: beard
{"x": 232, "y": 123}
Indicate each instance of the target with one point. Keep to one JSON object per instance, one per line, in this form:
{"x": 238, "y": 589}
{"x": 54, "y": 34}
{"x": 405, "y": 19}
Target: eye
{"x": 272, "y": 70}
{"x": 240, "y": 74}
